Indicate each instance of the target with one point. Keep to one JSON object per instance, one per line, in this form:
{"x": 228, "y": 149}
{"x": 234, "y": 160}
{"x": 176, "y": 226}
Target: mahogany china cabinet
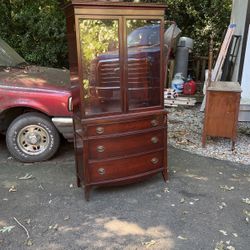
{"x": 116, "y": 55}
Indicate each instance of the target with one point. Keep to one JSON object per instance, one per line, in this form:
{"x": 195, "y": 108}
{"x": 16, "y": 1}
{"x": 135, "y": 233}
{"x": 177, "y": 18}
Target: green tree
{"x": 36, "y": 29}
{"x": 199, "y": 19}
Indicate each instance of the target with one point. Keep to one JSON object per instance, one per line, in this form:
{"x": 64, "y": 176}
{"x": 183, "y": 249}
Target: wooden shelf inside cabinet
{"x": 120, "y": 126}
{"x": 222, "y": 109}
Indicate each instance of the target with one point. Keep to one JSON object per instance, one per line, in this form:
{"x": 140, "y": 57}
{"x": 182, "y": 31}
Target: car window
{"x": 153, "y": 37}
{"x": 135, "y": 38}
{"x": 145, "y": 36}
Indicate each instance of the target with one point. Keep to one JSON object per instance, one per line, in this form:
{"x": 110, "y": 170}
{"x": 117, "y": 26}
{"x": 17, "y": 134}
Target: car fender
{"x": 52, "y": 103}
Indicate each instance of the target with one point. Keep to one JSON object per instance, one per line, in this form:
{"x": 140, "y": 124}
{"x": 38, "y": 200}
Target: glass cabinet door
{"x": 143, "y": 63}
{"x": 100, "y": 57}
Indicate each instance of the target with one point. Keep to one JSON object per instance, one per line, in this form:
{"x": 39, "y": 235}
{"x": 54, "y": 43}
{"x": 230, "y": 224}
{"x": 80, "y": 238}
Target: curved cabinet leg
{"x": 78, "y": 182}
{"x": 87, "y": 192}
{"x": 165, "y": 175}
{"x": 204, "y": 138}
{"x": 233, "y": 145}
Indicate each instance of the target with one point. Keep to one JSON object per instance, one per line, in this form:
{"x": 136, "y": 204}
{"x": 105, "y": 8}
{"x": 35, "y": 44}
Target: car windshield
{"x": 145, "y": 36}
{"x": 8, "y": 56}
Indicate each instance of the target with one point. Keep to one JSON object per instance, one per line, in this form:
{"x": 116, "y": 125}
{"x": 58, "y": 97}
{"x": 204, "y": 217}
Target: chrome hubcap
{"x": 33, "y": 139}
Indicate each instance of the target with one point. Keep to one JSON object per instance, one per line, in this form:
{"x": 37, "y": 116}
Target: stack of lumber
{"x": 171, "y": 99}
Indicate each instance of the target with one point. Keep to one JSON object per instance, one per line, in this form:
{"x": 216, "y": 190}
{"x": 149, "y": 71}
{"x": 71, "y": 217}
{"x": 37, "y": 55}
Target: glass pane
{"x": 143, "y": 43}
{"x": 99, "y": 41}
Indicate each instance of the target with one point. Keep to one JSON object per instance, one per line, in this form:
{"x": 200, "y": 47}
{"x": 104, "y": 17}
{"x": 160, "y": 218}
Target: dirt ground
{"x": 204, "y": 205}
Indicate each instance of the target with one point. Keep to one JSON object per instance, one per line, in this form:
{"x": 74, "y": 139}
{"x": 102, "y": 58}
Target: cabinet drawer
{"x": 126, "y": 145}
{"x": 114, "y": 169}
{"x": 153, "y": 121}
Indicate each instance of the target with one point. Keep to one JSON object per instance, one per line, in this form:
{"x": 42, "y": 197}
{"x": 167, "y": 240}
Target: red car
{"x": 35, "y": 107}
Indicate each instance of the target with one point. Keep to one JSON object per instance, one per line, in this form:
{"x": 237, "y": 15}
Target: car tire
{"x": 32, "y": 137}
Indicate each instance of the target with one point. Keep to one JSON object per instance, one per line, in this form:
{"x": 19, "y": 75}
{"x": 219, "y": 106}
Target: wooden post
{"x": 208, "y": 83}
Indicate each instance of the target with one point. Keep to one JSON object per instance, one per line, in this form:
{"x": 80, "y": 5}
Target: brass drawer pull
{"x": 100, "y": 149}
{"x": 154, "y": 140}
{"x": 155, "y": 160}
{"x": 101, "y": 171}
{"x": 154, "y": 123}
{"x": 99, "y": 130}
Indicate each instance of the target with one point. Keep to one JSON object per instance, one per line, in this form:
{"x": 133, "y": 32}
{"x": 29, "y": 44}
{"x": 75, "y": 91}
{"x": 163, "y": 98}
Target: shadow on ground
{"x": 203, "y": 205}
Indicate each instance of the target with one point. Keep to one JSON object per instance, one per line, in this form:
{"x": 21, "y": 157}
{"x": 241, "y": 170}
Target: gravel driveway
{"x": 185, "y": 132}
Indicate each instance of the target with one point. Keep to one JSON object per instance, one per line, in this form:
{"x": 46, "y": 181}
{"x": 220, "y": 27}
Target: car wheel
{"x": 32, "y": 137}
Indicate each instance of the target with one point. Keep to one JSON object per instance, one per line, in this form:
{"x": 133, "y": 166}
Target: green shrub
{"x": 36, "y": 29}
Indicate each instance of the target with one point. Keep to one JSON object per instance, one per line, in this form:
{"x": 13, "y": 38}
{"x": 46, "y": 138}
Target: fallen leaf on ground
{"x": 40, "y": 186}
{"x": 149, "y": 243}
{"x": 12, "y": 189}
{"x": 247, "y": 213}
{"x": 223, "y": 204}
{"x": 223, "y": 232}
{"x": 220, "y": 246}
{"x": 55, "y": 227}
{"x": 246, "y": 200}
{"x": 6, "y": 229}
{"x": 195, "y": 199}
{"x": 230, "y": 248}
{"x": 26, "y": 177}
{"x": 227, "y": 188}
{"x": 181, "y": 237}
{"x": 28, "y": 221}
{"x": 29, "y": 242}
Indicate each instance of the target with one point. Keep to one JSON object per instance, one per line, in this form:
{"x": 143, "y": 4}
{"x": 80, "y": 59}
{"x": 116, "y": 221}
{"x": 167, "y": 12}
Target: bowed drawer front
{"x": 125, "y": 126}
{"x": 122, "y": 149}
{"x": 121, "y": 145}
{"x": 129, "y": 166}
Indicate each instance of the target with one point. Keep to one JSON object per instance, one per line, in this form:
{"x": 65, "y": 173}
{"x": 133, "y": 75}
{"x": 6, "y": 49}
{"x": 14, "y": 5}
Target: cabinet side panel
{"x": 73, "y": 62}
{"x": 79, "y": 157}
{"x": 71, "y": 39}
{"x": 221, "y": 111}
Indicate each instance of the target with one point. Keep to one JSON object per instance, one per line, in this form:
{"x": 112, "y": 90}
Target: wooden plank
{"x": 223, "y": 52}
{"x": 171, "y": 72}
{"x": 220, "y": 60}
{"x": 179, "y": 101}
